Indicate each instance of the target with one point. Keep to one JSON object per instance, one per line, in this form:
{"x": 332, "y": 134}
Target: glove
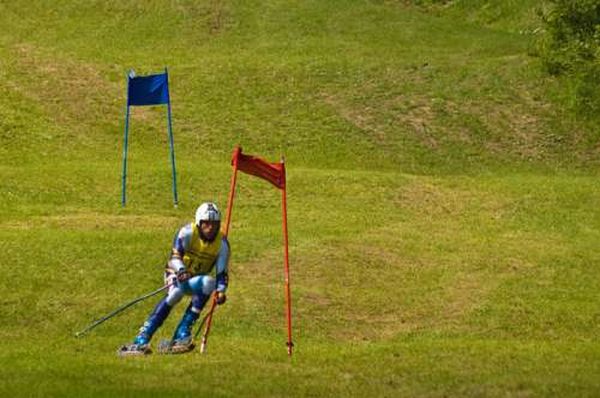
{"x": 183, "y": 275}
{"x": 221, "y": 298}
{"x": 171, "y": 280}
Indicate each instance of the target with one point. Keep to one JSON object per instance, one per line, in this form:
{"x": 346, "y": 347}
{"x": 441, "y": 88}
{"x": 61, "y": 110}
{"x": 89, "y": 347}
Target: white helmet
{"x": 207, "y": 212}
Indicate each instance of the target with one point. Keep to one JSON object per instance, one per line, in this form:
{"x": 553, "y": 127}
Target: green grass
{"x": 443, "y": 202}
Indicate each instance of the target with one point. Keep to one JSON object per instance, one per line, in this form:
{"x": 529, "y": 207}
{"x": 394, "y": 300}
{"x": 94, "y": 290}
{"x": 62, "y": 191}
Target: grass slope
{"x": 443, "y": 205}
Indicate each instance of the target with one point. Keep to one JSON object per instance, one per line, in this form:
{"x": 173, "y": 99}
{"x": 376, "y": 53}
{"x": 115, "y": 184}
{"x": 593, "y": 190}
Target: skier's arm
{"x": 222, "y": 265}
{"x": 181, "y": 243}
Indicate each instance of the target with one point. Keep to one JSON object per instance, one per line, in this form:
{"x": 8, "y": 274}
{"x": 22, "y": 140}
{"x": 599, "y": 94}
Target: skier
{"x": 197, "y": 249}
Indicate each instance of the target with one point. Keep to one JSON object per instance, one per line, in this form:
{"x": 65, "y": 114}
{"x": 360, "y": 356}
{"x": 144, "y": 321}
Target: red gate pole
{"x": 236, "y": 154}
{"x": 288, "y": 299}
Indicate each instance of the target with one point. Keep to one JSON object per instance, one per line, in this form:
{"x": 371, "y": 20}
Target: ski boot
{"x": 182, "y": 339}
{"x": 141, "y": 343}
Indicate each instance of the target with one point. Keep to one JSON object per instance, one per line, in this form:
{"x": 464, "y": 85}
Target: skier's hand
{"x": 221, "y": 298}
{"x": 171, "y": 280}
{"x": 183, "y": 275}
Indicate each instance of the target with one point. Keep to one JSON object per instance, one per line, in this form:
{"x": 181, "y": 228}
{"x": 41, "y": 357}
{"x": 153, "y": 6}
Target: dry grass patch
{"x": 72, "y": 92}
{"x": 94, "y": 221}
{"x": 388, "y": 116}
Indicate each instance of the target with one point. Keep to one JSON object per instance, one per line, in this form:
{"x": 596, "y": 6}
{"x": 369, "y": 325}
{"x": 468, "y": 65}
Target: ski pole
{"x": 201, "y": 325}
{"x": 121, "y": 309}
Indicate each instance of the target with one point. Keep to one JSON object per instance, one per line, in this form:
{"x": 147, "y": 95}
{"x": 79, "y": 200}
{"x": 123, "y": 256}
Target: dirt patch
{"x": 217, "y": 15}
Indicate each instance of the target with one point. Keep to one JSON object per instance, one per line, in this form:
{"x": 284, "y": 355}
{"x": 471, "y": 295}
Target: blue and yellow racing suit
{"x": 198, "y": 257}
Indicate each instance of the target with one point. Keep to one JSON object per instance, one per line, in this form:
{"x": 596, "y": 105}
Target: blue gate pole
{"x": 171, "y": 144}
{"x": 125, "y": 142}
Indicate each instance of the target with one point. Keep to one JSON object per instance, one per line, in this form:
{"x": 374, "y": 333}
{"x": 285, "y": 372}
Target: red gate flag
{"x": 272, "y": 172}
{"x": 275, "y": 174}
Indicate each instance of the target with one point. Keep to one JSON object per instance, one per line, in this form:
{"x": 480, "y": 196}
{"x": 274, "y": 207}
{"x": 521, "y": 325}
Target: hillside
{"x": 443, "y": 200}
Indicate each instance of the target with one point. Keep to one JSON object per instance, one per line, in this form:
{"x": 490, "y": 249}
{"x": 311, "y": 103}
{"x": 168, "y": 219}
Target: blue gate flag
{"x": 148, "y": 90}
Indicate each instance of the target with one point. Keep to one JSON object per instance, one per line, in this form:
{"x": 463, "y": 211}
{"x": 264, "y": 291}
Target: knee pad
{"x": 209, "y": 285}
{"x": 202, "y": 284}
